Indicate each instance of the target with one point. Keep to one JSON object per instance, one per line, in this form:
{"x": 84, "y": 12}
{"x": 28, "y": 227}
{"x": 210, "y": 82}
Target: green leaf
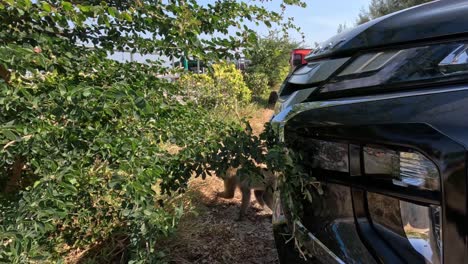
{"x": 67, "y": 6}
{"x": 36, "y": 183}
{"x": 73, "y": 181}
{"x": 127, "y": 16}
{"x": 8, "y": 134}
{"x": 112, "y": 11}
{"x": 84, "y": 8}
{"x": 46, "y": 7}
{"x": 86, "y": 93}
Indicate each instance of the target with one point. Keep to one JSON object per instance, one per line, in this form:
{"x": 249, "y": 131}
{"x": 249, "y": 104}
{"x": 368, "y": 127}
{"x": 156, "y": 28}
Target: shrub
{"x": 201, "y": 89}
{"x": 94, "y": 145}
{"x": 230, "y": 82}
{"x": 271, "y": 56}
{"x": 82, "y": 137}
{"x": 258, "y": 83}
{"x": 282, "y": 74}
{"x": 223, "y": 87}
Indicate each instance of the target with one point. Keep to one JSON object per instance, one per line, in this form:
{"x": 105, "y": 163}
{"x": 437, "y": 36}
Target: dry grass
{"x": 211, "y": 234}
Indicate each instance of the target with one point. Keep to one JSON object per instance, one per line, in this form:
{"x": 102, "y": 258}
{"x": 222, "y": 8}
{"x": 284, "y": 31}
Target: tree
{"x": 378, "y": 8}
{"x": 85, "y": 138}
{"x": 341, "y": 28}
{"x": 270, "y": 56}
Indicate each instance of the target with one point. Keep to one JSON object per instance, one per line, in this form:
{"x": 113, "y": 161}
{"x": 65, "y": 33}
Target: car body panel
{"x": 431, "y": 121}
{"x": 332, "y": 223}
{"x": 341, "y": 108}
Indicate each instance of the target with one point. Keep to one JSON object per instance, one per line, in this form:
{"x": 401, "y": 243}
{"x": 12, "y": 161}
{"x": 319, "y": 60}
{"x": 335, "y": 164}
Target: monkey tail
{"x": 259, "y": 196}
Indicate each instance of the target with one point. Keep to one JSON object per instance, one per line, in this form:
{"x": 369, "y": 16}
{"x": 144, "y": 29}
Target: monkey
{"x": 263, "y": 191}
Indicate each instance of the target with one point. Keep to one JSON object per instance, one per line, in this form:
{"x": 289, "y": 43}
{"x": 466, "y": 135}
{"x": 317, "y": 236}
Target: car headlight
{"x": 316, "y": 72}
{"x": 410, "y": 169}
{"x": 392, "y": 68}
{"x": 402, "y": 168}
{"x": 398, "y": 220}
{"x": 311, "y": 74}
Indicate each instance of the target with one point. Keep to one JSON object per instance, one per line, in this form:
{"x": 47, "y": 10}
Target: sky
{"x": 318, "y": 21}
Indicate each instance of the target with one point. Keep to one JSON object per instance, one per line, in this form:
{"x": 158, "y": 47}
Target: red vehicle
{"x": 298, "y": 57}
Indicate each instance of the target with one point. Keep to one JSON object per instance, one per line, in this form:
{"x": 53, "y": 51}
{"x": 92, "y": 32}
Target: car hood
{"x": 432, "y": 20}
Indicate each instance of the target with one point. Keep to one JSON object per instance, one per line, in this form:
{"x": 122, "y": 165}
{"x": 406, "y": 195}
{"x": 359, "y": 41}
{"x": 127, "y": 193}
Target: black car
{"x": 380, "y": 115}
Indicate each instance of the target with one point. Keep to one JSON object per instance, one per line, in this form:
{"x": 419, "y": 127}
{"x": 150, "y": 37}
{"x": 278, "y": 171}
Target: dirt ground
{"x": 212, "y": 235}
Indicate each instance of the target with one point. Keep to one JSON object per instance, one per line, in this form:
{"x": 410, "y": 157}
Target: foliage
{"x": 271, "y": 56}
{"x": 293, "y": 176}
{"x": 230, "y": 83}
{"x": 96, "y": 150}
{"x": 201, "y": 89}
{"x": 295, "y": 181}
{"x": 172, "y": 28}
{"x": 257, "y": 83}
{"x": 84, "y": 137}
{"x": 223, "y": 87}
{"x": 378, "y": 8}
{"x": 283, "y": 72}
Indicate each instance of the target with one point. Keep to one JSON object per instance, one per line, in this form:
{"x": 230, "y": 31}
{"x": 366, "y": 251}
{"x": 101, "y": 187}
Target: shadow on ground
{"x": 213, "y": 235}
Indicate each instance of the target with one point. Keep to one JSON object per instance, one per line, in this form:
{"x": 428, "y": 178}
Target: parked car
{"x": 380, "y": 117}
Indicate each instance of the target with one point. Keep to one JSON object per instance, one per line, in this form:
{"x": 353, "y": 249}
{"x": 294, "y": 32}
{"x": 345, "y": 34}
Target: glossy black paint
{"x": 384, "y": 211}
{"x": 434, "y": 124}
{"x": 427, "y": 22}
{"x": 331, "y": 221}
{"x": 430, "y": 117}
{"x": 376, "y": 245}
{"x": 286, "y": 248}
